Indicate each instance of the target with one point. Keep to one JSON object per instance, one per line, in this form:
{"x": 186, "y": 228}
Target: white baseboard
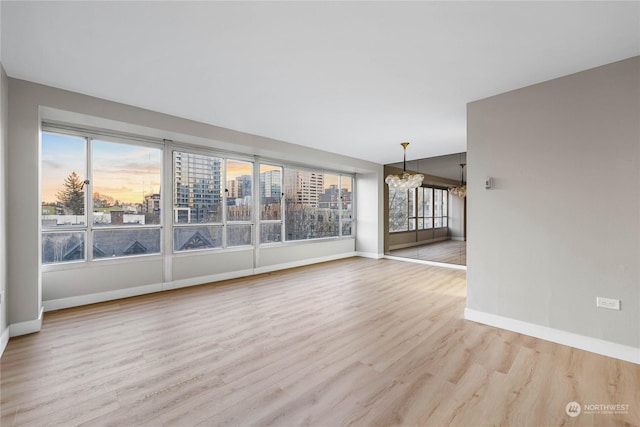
{"x": 301, "y": 263}
{"x": 594, "y": 345}
{"x": 176, "y": 284}
{"x": 433, "y": 263}
{"x": 458, "y": 239}
{"x": 27, "y": 327}
{"x": 4, "y": 340}
{"x": 58, "y": 304}
{"x": 371, "y": 255}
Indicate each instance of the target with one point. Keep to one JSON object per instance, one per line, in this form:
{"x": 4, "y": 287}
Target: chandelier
{"x": 404, "y": 181}
{"x": 461, "y": 190}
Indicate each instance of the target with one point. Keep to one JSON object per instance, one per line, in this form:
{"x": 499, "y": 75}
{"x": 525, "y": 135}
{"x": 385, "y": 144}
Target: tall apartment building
{"x": 239, "y": 188}
{"x": 303, "y": 187}
{"x": 197, "y": 181}
{"x": 270, "y": 186}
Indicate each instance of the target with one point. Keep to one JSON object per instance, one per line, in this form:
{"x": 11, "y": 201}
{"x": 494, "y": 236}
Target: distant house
{"x": 69, "y": 246}
{"x": 52, "y": 210}
{"x": 185, "y": 239}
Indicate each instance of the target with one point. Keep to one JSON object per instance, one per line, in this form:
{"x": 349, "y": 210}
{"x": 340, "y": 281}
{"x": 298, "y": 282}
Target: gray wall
{"x": 30, "y": 284}
{"x": 4, "y": 319}
{"x": 560, "y": 227}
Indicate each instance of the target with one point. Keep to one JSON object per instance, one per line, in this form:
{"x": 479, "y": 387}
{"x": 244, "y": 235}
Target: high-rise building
{"x": 270, "y": 186}
{"x": 304, "y": 187}
{"x": 197, "y": 181}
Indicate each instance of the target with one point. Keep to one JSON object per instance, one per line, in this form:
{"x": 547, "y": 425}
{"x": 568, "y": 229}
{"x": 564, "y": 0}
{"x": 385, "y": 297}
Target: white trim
{"x": 202, "y": 280}
{"x": 582, "y": 342}
{"x": 458, "y": 239}
{"x": 57, "y": 304}
{"x": 371, "y": 255}
{"x": 4, "y": 340}
{"x": 27, "y": 327}
{"x": 425, "y": 262}
{"x": 309, "y": 261}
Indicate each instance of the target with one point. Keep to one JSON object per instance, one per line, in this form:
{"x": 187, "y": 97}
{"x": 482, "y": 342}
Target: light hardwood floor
{"x": 353, "y": 342}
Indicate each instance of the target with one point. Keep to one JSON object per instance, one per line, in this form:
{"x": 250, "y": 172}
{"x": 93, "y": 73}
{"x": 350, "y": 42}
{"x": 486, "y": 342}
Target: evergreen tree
{"x": 72, "y": 195}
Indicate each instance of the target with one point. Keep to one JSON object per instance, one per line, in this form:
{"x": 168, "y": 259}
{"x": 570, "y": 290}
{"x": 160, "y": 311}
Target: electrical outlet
{"x": 610, "y": 303}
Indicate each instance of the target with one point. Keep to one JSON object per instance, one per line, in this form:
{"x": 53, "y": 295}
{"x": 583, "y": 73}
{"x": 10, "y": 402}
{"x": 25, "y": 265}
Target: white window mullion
{"x": 340, "y": 206}
{"x": 167, "y": 190}
{"x": 88, "y": 246}
{"x": 225, "y": 194}
{"x": 255, "y": 211}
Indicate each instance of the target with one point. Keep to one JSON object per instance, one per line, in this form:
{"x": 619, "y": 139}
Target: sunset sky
{"x": 122, "y": 171}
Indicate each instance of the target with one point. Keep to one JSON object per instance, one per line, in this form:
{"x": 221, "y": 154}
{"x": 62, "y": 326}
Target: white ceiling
{"x": 354, "y": 78}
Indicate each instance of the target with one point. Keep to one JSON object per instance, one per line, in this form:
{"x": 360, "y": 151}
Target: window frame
{"x": 224, "y": 196}
{"x": 261, "y": 221}
{"x": 89, "y": 228}
{"x": 323, "y": 171}
{"x": 166, "y": 223}
{"x": 413, "y": 210}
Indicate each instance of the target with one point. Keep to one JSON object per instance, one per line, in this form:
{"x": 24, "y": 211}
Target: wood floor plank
{"x": 355, "y": 342}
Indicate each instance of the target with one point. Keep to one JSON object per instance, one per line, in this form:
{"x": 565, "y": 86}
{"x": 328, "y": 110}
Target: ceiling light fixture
{"x": 406, "y": 181}
{"x": 461, "y": 190}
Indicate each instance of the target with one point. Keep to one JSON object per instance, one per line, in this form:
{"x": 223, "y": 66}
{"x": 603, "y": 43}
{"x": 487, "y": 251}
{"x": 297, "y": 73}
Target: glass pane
{"x": 428, "y": 208}
{"x": 62, "y": 247}
{"x": 197, "y": 196}
{"x": 420, "y": 223}
{"x": 421, "y": 202}
{"x": 62, "y": 187}
{"x": 398, "y": 210}
{"x": 445, "y": 203}
{"x": 193, "y": 238}
{"x": 437, "y": 203}
{"x": 412, "y": 209}
{"x": 122, "y": 243}
{"x": 239, "y": 180}
{"x": 270, "y": 232}
{"x": 347, "y": 228}
{"x": 239, "y": 235}
{"x": 270, "y": 192}
{"x": 126, "y": 184}
{"x": 346, "y": 197}
{"x": 312, "y": 206}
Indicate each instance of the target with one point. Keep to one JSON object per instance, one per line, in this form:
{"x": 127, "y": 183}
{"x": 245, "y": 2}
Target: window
{"x": 124, "y": 183}
{"x": 239, "y": 176}
{"x": 440, "y": 207}
{"x": 317, "y": 205}
{"x": 346, "y": 200}
{"x": 101, "y": 199}
{"x": 204, "y": 209}
{"x": 398, "y": 209}
{"x": 270, "y": 203}
{"x": 423, "y": 207}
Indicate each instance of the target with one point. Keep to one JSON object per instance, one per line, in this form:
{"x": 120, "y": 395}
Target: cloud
{"x": 51, "y": 164}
